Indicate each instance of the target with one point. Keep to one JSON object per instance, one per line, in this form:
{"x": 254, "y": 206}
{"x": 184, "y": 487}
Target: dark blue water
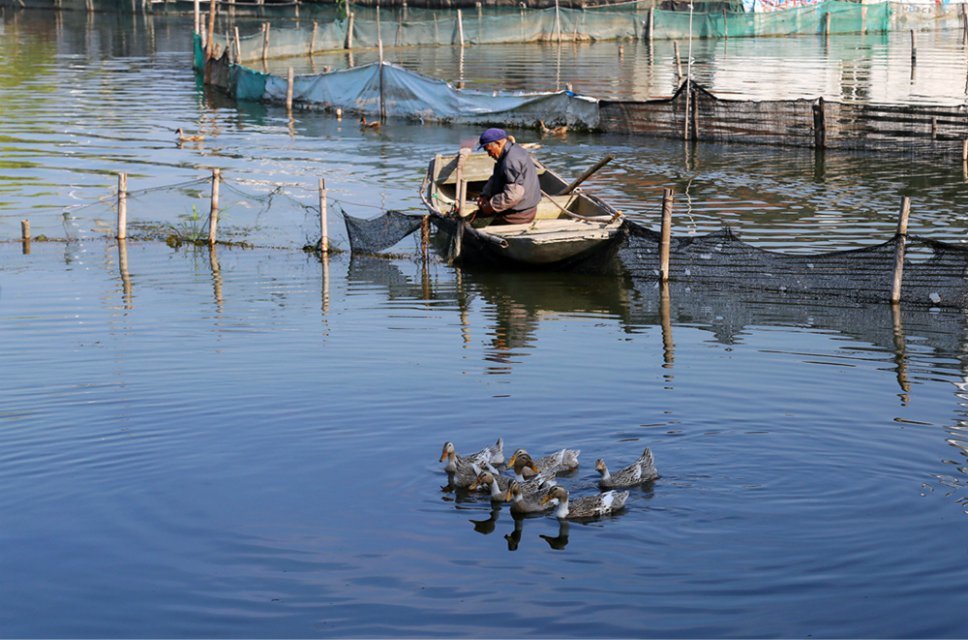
{"x": 245, "y": 443}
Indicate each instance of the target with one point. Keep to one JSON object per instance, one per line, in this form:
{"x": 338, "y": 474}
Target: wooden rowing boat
{"x": 570, "y": 226}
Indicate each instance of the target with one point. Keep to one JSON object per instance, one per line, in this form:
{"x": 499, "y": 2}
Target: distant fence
{"x": 697, "y": 114}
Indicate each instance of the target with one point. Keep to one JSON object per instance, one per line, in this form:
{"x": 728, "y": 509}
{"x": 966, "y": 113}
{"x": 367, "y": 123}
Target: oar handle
{"x": 595, "y": 167}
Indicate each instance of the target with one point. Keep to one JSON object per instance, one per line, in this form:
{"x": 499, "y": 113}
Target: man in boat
{"x": 512, "y": 193}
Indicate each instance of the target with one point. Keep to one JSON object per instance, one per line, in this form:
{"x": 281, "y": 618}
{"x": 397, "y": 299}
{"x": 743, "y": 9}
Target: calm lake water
{"x": 244, "y": 443}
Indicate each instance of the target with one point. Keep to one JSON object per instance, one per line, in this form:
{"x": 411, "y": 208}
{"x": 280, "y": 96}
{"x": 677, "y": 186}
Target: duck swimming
{"x": 183, "y": 138}
{"x": 462, "y": 472}
{"x": 586, "y": 506}
{"x": 497, "y": 485}
{"x": 480, "y": 458}
{"x": 523, "y": 503}
{"x": 639, "y": 472}
{"x": 562, "y": 461}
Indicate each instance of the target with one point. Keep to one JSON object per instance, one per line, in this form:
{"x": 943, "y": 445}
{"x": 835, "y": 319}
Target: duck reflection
{"x": 514, "y": 538}
{"x": 486, "y": 527}
{"x": 561, "y": 540}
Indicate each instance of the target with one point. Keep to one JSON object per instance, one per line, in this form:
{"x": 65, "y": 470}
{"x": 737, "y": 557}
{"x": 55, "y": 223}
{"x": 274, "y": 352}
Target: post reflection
{"x": 123, "y": 270}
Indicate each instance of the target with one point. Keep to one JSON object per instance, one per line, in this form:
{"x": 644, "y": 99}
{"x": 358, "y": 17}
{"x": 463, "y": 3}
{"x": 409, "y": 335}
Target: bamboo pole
{"x": 460, "y": 28}
{"x": 213, "y": 210}
{"x": 383, "y": 104}
{"x": 902, "y": 226}
{"x": 349, "y": 31}
{"x": 964, "y": 151}
{"x": 323, "y": 218}
{"x": 665, "y": 235}
{"x": 198, "y": 17}
{"x": 238, "y": 47}
{"x": 290, "y": 80}
{"x": 379, "y": 32}
{"x": 675, "y": 49}
{"x": 25, "y": 236}
{"x": 210, "y": 33}
{"x": 725, "y": 25}
{"x": 557, "y": 22}
{"x": 964, "y": 20}
{"x": 819, "y": 125}
{"x": 265, "y": 42}
{"x": 122, "y": 206}
{"x": 459, "y": 186}
{"x": 312, "y": 40}
{"x": 826, "y": 26}
{"x": 914, "y": 46}
{"x": 651, "y": 24}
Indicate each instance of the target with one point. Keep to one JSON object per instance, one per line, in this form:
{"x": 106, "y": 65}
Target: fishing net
{"x": 379, "y": 234}
{"x": 934, "y": 272}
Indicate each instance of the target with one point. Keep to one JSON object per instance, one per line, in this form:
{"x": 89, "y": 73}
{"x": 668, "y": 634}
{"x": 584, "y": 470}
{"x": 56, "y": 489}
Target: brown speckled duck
{"x": 562, "y": 461}
{"x": 496, "y": 485}
{"x": 585, "y": 507}
{"x": 639, "y": 472}
{"x": 523, "y": 503}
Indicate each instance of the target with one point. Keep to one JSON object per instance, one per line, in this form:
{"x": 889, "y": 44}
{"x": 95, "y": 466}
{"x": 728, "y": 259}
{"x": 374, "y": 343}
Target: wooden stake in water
{"x": 238, "y": 47}
{"x": 914, "y": 46}
{"x": 819, "y": 125}
{"x": 323, "y": 218}
{"x": 902, "y": 226}
{"x": 964, "y": 151}
{"x": 122, "y": 206}
{"x": 210, "y": 34}
{"x": 290, "y": 79}
{"x": 665, "y": 235}
{"x": 312, "y": 40}
{"x": 826, "y": 26}
{"x": 265, "y": 42}
{"x": 349, "y": 31}
{"x": 675, "y": 49}
{"x": 651, "y": 24}
{"x": 213, "y": 210}
{"x": 25, "y": 236}
{"x": 460, "y": 28}
{"x": 198, "y": 16}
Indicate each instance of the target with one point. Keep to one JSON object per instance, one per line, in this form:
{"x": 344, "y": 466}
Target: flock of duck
{"x": 533, "y": 487}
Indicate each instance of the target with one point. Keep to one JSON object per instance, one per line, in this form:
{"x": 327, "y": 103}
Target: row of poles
{"x": 122, "y": 206}
{"x": 665, "y": 233}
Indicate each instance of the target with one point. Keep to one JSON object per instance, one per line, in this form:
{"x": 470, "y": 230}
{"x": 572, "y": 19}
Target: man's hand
{"x": 484, "y": 205}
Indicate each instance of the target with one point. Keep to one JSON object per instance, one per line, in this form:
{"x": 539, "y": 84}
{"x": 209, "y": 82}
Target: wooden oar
{"x": 595, "y": 167}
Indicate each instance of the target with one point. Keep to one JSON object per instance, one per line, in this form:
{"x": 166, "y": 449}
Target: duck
{"x": 497, "y": 485}
{"x": 585, "y": 507}
{"x": 562, "y": 461}
{"x": 483, "y": 458}
{"x": 183, "y": 138}
{"x": 639, "y": 472}
{"x": 553, "y": 131}
{"x": 523, "y": 503}
{"x": 364, "y": 124}
{"x": 461, "y": 471}
{"x": 524, "y": 467}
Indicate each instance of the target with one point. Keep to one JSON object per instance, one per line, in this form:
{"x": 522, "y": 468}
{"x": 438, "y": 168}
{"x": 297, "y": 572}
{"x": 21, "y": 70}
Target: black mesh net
{"x": 934, "y": 272}
{"x": 380, "y": 233}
